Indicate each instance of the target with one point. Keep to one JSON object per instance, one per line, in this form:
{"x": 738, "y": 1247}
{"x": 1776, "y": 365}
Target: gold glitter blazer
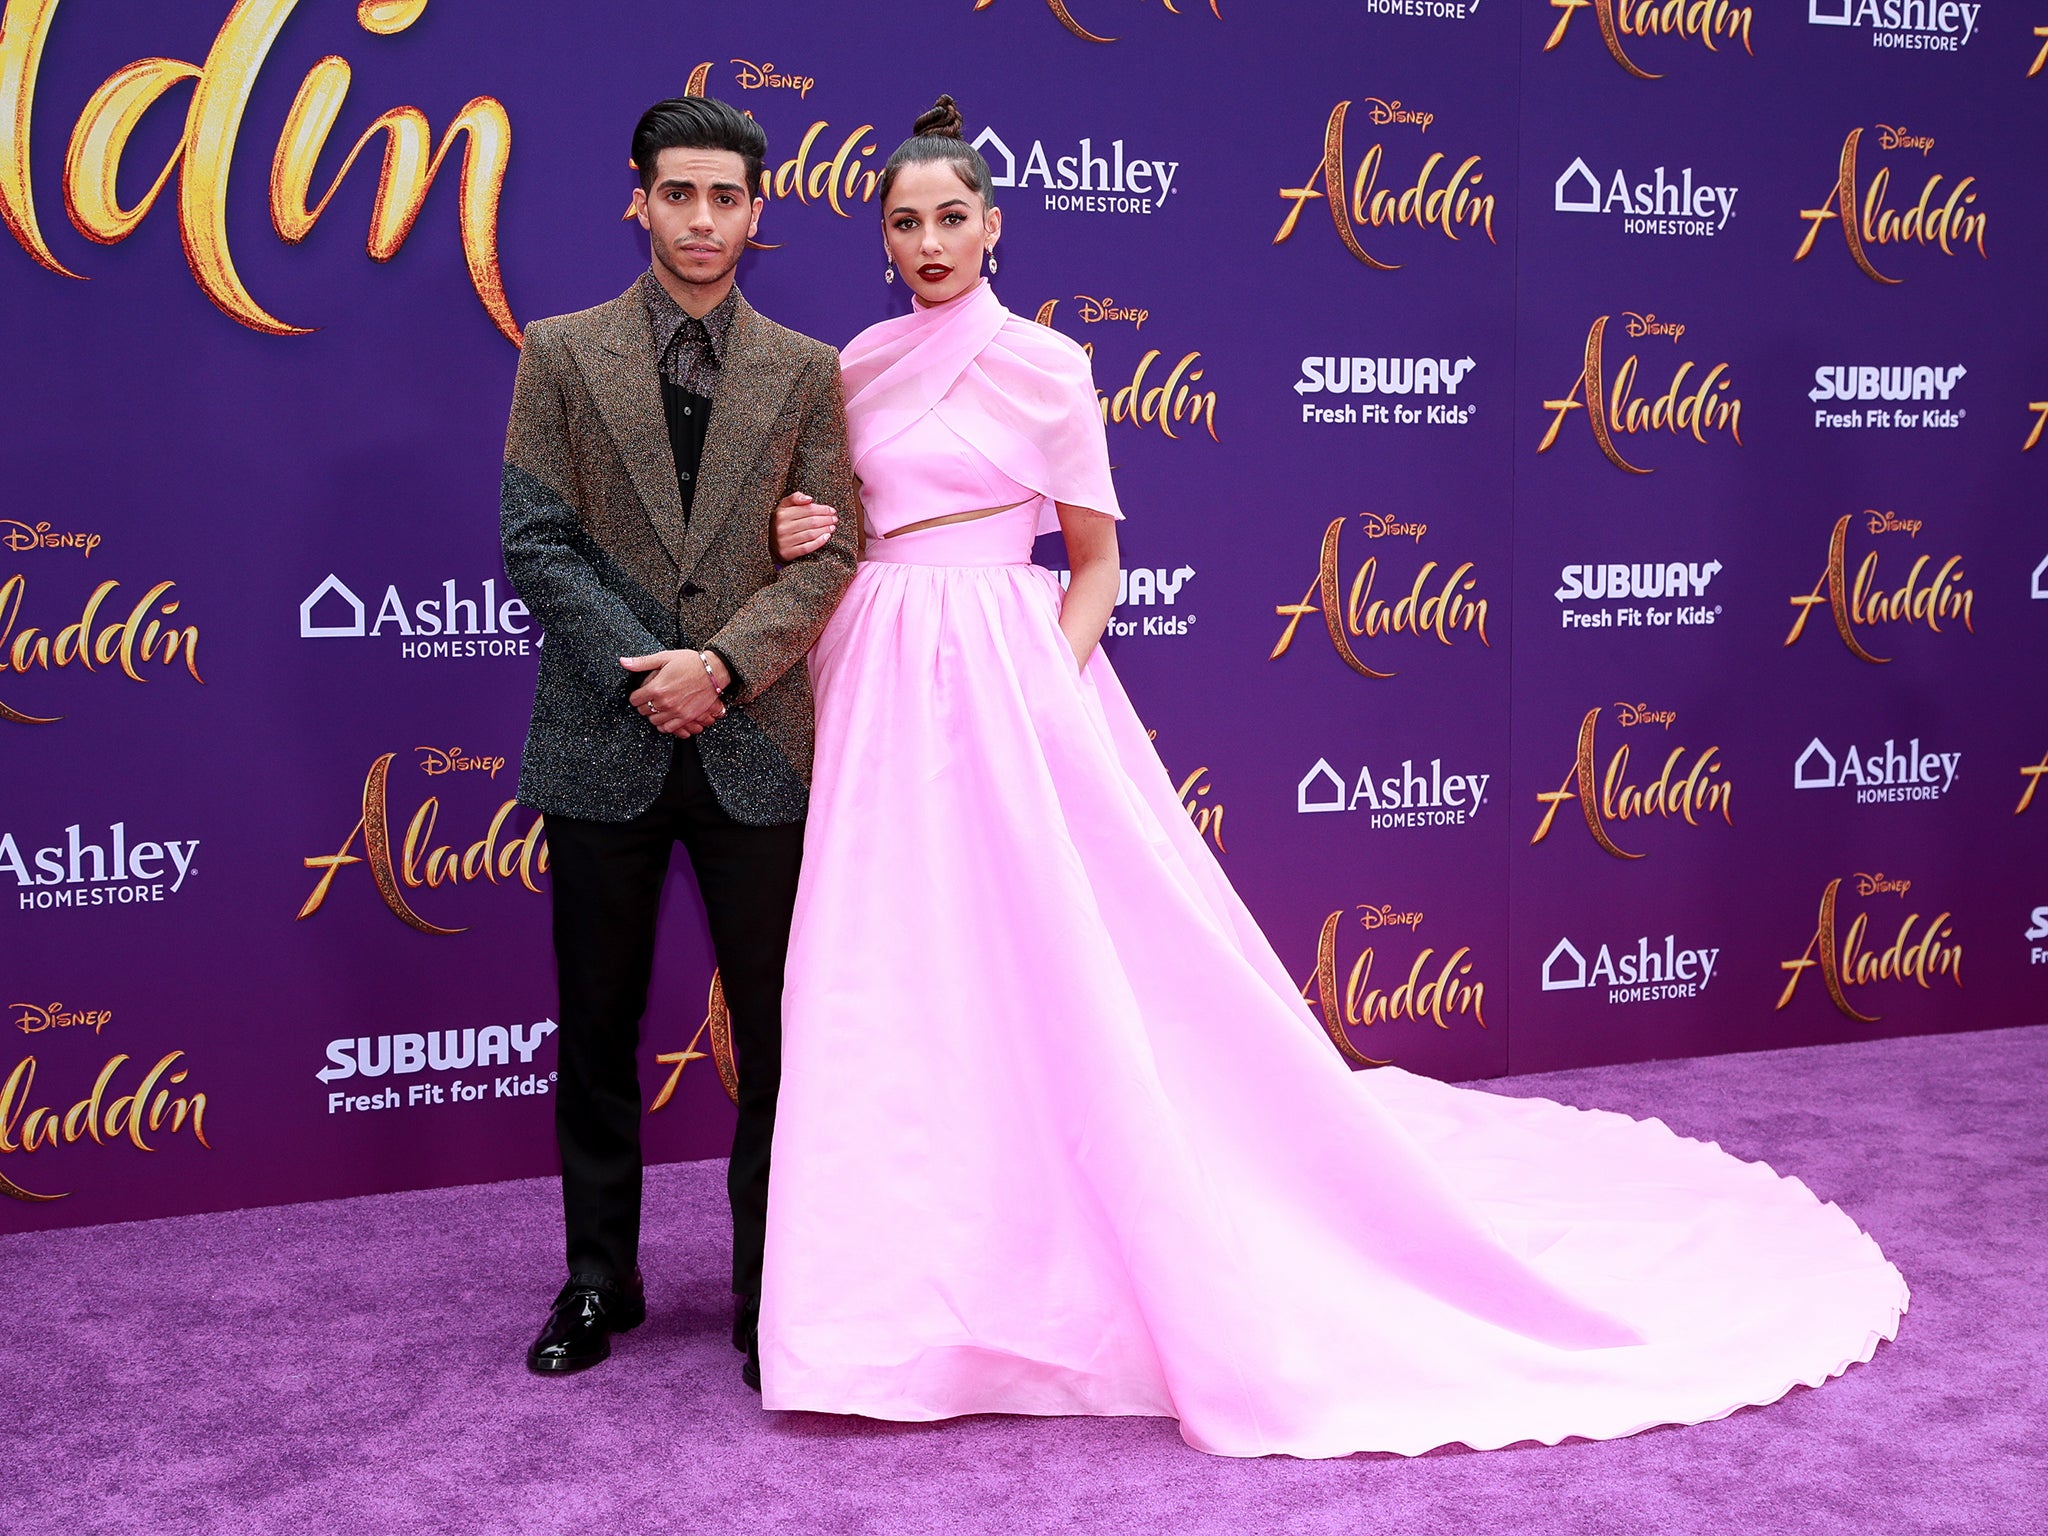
{"x": 597, "y": 546}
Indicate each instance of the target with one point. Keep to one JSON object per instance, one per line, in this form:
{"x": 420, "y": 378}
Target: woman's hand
{"x": 802, "y": 526}
{"x": 1092, "y": 564}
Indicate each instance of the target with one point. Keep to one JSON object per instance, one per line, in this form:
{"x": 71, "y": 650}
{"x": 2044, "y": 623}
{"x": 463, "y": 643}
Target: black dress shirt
{"x": 690, "y": 353}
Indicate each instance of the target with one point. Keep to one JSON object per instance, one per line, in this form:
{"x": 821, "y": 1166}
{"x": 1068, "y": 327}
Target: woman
{"x": 1057, "y": 1133}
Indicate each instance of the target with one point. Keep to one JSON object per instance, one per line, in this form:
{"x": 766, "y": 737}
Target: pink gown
{"x": 1058, "y": 1134}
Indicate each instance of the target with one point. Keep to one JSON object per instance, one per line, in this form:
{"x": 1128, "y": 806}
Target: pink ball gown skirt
{"x": 1058, "y": 1134}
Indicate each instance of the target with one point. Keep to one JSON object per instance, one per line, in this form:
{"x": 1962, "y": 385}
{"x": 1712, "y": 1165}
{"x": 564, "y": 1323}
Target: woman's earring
{"x": 889, "y": 273}
{"x": 991, "y": 261}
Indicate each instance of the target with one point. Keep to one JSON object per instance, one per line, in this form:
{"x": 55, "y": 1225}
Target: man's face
{"x": 698, "y": 213}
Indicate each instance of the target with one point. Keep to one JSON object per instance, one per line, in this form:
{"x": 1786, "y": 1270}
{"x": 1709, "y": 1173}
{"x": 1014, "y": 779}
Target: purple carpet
{"x": 356, "y": 1366}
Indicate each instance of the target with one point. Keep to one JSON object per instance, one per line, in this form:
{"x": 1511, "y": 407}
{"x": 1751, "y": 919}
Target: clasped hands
{"x": 680, "y": 694}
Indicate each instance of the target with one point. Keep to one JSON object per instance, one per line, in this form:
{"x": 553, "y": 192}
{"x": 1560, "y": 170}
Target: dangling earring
{"x": 889, "y": 273}
{"x": 991, "y": 261}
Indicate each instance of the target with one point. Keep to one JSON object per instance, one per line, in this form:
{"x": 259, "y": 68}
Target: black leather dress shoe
{"x": 746, "y": 1317}
{"x": 580, "y": 1326}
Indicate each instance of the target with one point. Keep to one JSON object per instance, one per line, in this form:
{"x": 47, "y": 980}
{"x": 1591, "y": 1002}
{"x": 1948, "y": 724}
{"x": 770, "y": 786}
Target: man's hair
{"x": 697, "y": 122}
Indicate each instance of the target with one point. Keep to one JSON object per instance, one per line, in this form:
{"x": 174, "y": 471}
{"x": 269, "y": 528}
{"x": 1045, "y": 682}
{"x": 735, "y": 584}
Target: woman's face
{"x": 936, "y": 229}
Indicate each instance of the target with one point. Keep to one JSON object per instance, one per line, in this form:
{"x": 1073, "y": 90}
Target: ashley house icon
{"x": 344, "y": 618}
{"x": 1556, "y": 978}
{"x": 1569, "y": 199}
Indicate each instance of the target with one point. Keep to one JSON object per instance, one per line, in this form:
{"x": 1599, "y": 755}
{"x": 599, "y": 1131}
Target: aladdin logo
{"x": 1433, "y": 990}
{"x": 1170, "y": 402}
{"x": 1879, "y": 773}
{"x": 21, "y": 538}
{"x": 1144, "y": 586}
{"x": 150, "y": 1108}
{"x": 764, "y": 77}
{"x": 447, "y": 628}
{"x": 1615, "y": 583}
{"x": 34, "y": 1018}
{"x": 1859, "y": 602}
{"x": 1658, "y": 207}
{"x": 2041, "y": 58}
{"x": 1614, "y": 410}
{"x": 1085, "y": 181}
{"x": 1606, "y": 800}
{"x": 446, "y": 1050}
{"x": 1941, "y": 25}
{"x": 1638, "y": 973}
{"x": 221, "y": 89}
{"x": 1708, "y": 23}
{"x": 1440, "y": 606}
{"x": 1921, "y": 949}
{"x": 135, "y": 638}
{"x": 1066, "y": 17}
{"x": 1867, "y": 219}
{"x": 835, "y": 179}
{"x": 116, "y": 873}
{"x": 1204, "y": 814}
{"x": 1438, "y": 207}
{"x": 1405, "y": 799}
{"x": 1903, "y": 383}
{"x": 2031, "y": 777}
{"x": 501, "y": 856}
{"x": 1386, "y": 377}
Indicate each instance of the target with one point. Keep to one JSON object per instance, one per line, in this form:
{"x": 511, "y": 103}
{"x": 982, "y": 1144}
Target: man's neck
{"x": 694, "y": 299}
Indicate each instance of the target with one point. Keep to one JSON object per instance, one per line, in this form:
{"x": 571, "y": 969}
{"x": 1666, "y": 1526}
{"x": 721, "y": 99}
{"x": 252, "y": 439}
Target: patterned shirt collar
{"x": 668, "y": 320}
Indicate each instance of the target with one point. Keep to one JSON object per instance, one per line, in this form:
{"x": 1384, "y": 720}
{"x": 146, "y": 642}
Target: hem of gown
{"x": 864, "y": 1406}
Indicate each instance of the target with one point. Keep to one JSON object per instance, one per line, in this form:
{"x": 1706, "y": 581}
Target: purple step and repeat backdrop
{"x": 1586, "y": 564}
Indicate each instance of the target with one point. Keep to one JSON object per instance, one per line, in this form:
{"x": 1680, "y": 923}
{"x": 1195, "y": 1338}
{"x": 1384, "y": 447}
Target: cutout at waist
{"x": 954, "y": 517}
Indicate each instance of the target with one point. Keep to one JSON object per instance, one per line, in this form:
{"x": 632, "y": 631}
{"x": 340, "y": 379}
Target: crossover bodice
{"x": 962, "y": 406}
{"x": 929, "y": 470}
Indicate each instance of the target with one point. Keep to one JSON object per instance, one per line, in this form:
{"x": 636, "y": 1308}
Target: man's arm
{"x": 548, "y": 553}
{"x": 776, "y": 627}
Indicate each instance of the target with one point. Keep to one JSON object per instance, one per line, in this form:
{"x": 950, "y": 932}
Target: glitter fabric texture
{"x": 597, "y": 546}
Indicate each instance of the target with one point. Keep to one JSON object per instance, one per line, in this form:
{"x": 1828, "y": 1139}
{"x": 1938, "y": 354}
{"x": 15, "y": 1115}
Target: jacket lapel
{"x": 754, "y": 380}
{"x": 618, "y": 361}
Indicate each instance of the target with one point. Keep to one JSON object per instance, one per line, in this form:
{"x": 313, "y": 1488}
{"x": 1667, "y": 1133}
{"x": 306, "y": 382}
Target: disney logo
{"x": 435, "y": 761}
{"x": 21, "y": 537}
{"x": 1393, "y": 112}
{"x": 1095, "y": 311}
{"x": 763, "y": 77}
{"x": 1889, "y": 137}
{"x": 1380, "y": 527}
{"x": 1650, "y": 325}
{"x": 1387, "y": 917}
{"x": 1642, "y": 714}
{"x": 33, "y": 1019}
{"x": 1885, "y": 522}
{"x": 1878, "y": 885}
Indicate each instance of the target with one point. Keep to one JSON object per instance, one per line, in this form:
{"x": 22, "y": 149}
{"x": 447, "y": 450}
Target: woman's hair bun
{"x": 939, "y": 121}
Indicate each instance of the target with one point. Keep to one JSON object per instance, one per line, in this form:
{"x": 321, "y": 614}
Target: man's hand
{"x": 678, "y": 697}
{"x": 802, "y": 526}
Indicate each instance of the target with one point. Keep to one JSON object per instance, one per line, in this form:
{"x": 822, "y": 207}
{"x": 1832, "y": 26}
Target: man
{"x": 651, "y": 440}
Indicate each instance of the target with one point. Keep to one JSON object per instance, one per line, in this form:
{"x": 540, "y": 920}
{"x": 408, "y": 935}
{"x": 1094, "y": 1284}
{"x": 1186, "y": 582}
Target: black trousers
{"x": 607, "y": 879}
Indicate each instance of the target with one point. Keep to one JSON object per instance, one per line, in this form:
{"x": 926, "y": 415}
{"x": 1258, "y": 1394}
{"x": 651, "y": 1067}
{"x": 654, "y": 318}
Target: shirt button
{"x": 686, "y": 410}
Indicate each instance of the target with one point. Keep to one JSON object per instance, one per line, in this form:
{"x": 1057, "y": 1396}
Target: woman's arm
{"x": 1091, "y": 588}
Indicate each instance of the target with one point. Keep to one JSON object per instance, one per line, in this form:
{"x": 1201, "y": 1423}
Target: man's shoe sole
{"x": 566, "y": 1367}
